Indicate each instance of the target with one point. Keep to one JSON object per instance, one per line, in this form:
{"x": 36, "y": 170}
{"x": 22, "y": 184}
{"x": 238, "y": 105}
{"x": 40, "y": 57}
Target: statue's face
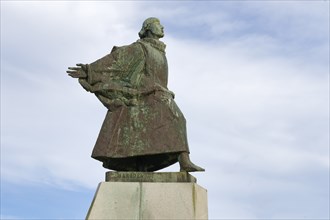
{"x": 157, "y": 29}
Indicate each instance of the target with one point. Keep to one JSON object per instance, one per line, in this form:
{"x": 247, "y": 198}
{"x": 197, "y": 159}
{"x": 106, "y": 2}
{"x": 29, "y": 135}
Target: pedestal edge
{"x": 156, "y": 177}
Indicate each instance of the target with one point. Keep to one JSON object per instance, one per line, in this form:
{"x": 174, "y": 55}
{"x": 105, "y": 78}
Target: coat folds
{"x": 144, "y": 129}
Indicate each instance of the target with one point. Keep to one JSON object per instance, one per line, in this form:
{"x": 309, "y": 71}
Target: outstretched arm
{"x": 80, "y": 71}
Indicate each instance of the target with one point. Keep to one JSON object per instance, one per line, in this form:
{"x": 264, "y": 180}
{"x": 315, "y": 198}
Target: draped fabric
{"x": 144, "y": 129}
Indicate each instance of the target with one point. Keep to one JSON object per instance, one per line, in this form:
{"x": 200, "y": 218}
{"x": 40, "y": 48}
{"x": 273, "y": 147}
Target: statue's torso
{"x": 154, "y": 126}
{"x": 156, "y": 68}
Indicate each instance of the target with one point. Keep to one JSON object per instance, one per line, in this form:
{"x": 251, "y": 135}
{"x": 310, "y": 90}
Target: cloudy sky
{"x": 251, "y": 77}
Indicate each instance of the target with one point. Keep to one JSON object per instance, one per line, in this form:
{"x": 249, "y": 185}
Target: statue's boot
{"x": 187, "y": 165}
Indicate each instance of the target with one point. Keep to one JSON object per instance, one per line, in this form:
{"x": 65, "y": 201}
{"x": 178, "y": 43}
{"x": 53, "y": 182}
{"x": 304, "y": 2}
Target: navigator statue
{"x": 144, "y": 129}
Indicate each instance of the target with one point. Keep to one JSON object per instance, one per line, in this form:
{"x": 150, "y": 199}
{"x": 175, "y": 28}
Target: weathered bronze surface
{"x": 144, "y": 129}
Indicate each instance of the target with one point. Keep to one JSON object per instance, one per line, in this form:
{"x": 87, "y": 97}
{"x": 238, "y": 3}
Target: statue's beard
{"x": 158, "y": 34}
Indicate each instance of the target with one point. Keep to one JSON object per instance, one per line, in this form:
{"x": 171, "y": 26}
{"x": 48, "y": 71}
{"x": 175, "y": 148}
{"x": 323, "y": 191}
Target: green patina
{"x": 143, "y": 120}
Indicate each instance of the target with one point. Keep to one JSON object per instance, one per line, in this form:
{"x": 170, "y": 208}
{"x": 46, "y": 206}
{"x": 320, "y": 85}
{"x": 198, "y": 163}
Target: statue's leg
{"x": 186, "y": 164}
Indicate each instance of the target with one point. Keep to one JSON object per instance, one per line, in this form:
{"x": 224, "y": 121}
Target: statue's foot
{"x": 186, "y": 165}
{"x": 191, "y": 168}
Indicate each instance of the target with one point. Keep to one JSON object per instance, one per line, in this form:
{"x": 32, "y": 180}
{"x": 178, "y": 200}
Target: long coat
{"x": 144, "y": 129}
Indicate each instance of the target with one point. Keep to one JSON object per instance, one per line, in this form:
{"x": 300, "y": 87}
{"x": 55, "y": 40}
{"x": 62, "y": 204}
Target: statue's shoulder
{"x": 131, "y": 48}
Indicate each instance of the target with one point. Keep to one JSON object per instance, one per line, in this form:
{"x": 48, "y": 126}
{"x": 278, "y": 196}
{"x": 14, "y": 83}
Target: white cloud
{"x": 257, "y": 107}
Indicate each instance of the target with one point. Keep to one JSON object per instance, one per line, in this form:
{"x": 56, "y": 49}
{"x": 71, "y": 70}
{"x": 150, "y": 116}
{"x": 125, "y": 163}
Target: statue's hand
{"x": 78, "y": 72}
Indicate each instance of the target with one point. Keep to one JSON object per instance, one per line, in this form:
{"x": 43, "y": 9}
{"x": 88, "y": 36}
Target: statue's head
{"x": 151, "y": 27}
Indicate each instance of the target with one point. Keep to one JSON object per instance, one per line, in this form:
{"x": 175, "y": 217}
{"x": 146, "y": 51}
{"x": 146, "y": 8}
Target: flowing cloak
{"x": 144, "y": 129}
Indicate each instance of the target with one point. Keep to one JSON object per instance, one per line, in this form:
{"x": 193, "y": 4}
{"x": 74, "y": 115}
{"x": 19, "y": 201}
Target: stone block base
{"x": 149, "y": 200}
{"x": 167, "y": 177}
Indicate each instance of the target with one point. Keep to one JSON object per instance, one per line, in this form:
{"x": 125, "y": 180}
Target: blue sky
{"x": 251, "y": 77}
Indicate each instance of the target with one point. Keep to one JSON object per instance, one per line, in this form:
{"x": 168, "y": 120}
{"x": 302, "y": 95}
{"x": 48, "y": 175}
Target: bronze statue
{"x": 144, "y": 129}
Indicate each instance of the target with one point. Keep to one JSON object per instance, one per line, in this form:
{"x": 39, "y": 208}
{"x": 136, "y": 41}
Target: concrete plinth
{"x": 149, "y": 200}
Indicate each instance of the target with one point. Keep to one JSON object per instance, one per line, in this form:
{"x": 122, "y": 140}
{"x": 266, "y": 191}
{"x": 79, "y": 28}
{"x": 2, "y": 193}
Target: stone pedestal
{"x": 155, "y": 196}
